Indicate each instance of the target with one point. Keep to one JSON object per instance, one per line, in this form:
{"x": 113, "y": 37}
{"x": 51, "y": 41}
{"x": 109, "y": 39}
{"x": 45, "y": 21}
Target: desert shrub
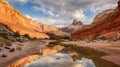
{"x": 26, "y": 36}
{"x": 5, "y": 42}
{"x": 8, "y": 43}
{"x": 17, "y": 34}
{"x": 66, "y": 37}
{"x": 4, "y": 35}
{"x": 19, "y": 47}
{"x": 53, "y": 43}
{"x": 1, "y": 44}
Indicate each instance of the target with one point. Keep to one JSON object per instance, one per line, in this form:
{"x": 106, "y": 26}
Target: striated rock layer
{"x": 18, "y": 22}
{"x": 106, "y": 24}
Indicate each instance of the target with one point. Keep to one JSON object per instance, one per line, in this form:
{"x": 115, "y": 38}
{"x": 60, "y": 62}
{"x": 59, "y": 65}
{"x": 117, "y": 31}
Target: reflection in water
{"x": 60, "y": 60}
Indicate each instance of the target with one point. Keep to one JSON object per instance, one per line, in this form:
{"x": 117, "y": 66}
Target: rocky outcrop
{"x": 77, "y": 23}
{"x": 101, "y": 17}
{"x": 7, "y": 33}
{"x": 5, "y": 30}
{"x": 104, "y": 23}
{"x": 72, "y": 27}
{"x": 18, "y": 22}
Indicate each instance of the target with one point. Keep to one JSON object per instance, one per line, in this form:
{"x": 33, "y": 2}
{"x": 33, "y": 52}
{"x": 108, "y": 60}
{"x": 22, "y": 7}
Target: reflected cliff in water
{"x": 61, "y": 60}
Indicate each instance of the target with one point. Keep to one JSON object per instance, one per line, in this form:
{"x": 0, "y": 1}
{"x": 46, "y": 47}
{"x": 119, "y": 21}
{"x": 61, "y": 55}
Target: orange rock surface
{"x": 18, "y": 22}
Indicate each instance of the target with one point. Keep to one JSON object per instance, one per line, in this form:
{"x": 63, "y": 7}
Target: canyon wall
{"x": 106, "y": 24}
{"x": 17, "y": 22}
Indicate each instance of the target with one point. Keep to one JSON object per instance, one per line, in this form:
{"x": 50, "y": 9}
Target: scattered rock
{"x": 6, "y": 47}
{"x": 12, "y": 50}
{"x": 3, "y": 55}
{"x": 58, "y": 58}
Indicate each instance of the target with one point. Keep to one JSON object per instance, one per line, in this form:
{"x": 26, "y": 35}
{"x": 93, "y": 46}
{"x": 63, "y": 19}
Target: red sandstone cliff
{"x": 18, "y": 22}
{"x": 106, "y": 23}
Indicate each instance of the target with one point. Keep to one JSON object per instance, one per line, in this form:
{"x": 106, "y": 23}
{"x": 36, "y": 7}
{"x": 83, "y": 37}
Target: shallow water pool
{"x": 60, "y": 60}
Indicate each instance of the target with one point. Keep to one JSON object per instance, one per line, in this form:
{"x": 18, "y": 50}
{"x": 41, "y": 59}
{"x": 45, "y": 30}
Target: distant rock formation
{"x": 72, "y": 27}
{"x": 77, "y": 23}
{"x": 18, "y": 22}
{"x": 106, "y": 24}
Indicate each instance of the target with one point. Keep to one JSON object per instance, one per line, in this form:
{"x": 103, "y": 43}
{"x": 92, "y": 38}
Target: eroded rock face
{"x": 101, "y": 17}
{"x": 18, "y": 22}
{"x": 72, "y": 27}
{"x": 76, "y": 23}
{"x": 106, "y": 22}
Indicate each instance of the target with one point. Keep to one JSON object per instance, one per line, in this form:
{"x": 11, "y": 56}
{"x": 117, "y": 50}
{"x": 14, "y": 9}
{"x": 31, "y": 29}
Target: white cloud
{"x": 39, "y": 9}
{"x": 67, "y": 10}
{"x": 73, "y": 9}
{"x": 78, "y": 14}
{"x": 50, "y": 13}
{"x": 19, "y": 1}
{"x": 103, "y": 7}
{"x": 58, "y": 22}
{"x": 42, "y": 9}
{"x": 33, "y": 18}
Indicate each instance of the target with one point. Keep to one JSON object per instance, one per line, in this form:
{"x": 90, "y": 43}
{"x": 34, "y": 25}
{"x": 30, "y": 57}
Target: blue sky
{"x": 61, "y": 13}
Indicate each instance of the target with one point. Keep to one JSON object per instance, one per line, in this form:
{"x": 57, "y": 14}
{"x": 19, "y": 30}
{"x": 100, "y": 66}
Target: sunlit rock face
{"x": 106, "y": 23}
{"x": 60, "y": 60}
{"x": 18, "y": 22}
